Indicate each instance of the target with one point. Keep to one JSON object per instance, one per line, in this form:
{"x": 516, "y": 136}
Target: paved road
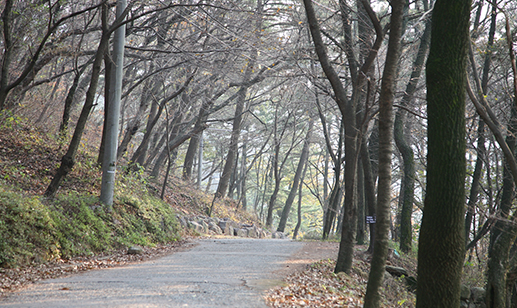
{"x": 214, "y": 273}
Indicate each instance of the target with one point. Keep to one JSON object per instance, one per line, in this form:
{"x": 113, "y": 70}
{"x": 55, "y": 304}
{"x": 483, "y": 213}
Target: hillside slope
{"x": 41, "y": 238}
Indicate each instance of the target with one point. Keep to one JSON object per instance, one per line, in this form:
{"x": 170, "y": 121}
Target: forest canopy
{"x": 280, "y": 105}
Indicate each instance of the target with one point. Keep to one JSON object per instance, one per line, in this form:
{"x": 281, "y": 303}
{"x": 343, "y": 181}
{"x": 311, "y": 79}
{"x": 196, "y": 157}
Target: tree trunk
{"x": 69, "y": 101}
{"x": 441, "y": 245}
{"x": 481, "y": 150}
{"x": 407, "y": 189}
{"x": 299, "y": 222}
{"x": 67, "y": 162}
{"x": 389, "y": 83}
{"x": 502, "y": 235}
{"x": 191, "y": 152}
{"x": 134, "y": 125}
{"x": 275, "y": 169}
{"x": 360, "y": 237}
{"x": 336, "y": 194}
{"x": 224, "y": 181}
{"x": 348, "y": 111}
{"x": 369, "y": 183}
{"x": 140, "y": 153}
{"x": 8, "y": 44}
{"x": 297, "y": 176}
{"x": 170, "y": 136}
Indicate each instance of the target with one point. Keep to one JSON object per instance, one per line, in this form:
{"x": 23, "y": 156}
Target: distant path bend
{"x": 214, "y": 273}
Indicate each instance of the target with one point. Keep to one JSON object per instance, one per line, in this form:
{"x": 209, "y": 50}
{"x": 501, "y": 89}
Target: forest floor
{"x": 309, "y": 282}
{"x": 28, "y": 159}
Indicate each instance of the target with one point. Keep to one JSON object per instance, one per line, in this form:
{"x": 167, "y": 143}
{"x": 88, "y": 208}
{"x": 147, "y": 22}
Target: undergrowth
{"x": 34, "y": 230}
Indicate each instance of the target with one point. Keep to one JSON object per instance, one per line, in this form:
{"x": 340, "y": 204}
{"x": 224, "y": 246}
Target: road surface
{"x": 213, "y": 273}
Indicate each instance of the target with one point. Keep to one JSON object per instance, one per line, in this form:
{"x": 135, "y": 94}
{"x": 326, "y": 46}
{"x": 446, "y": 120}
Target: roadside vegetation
{"x": 45, "y": 238}
{"x": 36, "y": 232}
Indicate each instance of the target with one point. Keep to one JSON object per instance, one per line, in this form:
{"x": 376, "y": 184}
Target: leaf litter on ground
{"x": 319, "y": 286}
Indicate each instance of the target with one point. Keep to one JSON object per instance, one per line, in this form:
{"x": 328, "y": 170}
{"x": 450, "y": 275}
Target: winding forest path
{"x": 213, "y": 273}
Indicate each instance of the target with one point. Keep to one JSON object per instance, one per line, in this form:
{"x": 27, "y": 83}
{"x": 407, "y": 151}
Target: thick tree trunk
{"x": 441, "y": 245}
{"x": 7, "y": 17}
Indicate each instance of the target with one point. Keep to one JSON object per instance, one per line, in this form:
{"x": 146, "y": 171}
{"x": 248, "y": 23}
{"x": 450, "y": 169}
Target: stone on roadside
{"x": 195, "y": 226}
{"x": 182, "y": 221}
{"x": 278, "y": 234}
{"x": 215, "y": 228}
{"x": 225, "y": 226}
{"x": 252, "y": 232}
{"x": 242, "y": 232}
{"x": 204, "y": 225}
{"x": 135, "y": 250}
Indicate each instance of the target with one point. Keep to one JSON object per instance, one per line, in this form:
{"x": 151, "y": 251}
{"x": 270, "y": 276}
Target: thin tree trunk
{"x": 67, "y": 162}
{"x": 224, "y": 181}
{"x": 347, "y": 109}
{"x": 369, "y": 183}
{"x": 360, "y": 237}
{"x": 69, "y": 100}
{"x": 389, "y": 83}
{"x": 50, "y": 99}
{"x": 139, "y": 155}
{"x": 481, "y": 150}
{"x": 336, "y": 194}
{"x": 297, "y": 176}
{"x": 300, "y": 190}
{"x": 407, "y": 189}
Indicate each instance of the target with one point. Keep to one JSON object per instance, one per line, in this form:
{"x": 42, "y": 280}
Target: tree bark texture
{"x": 347, "y": 108}
{"x": 442, "y": 244}
{"x": 407, "y": 189}
{"x": 389, "y": 83}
